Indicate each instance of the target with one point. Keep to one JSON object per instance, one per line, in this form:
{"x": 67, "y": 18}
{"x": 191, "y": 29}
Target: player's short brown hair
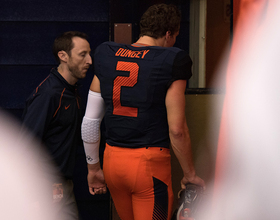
{"x": 64, "y": 42}
{"x": 158, "y": 19}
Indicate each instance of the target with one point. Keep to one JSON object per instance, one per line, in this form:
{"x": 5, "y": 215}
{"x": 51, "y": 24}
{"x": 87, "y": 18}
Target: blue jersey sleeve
{"x": 182, "y": 67}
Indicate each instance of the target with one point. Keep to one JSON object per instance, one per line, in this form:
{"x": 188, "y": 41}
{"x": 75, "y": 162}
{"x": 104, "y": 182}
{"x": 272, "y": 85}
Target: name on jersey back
{"x": 130, "y": 53}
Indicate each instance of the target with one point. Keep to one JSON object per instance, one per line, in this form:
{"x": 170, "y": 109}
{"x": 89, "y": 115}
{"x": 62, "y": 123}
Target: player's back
{"x": 134, "y": 81}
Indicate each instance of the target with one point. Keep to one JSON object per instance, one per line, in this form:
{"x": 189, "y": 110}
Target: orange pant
{"x": 139, "y": 181}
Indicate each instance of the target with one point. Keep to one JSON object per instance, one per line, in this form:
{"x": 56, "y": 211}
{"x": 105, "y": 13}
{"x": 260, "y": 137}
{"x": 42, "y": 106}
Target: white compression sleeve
{"x": 91, "y": 126}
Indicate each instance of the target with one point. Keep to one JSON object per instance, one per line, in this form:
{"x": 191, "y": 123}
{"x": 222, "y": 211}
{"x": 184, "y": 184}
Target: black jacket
{"x": 53, "y": 114}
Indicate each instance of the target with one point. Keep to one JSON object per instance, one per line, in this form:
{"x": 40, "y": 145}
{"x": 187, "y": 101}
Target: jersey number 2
{"x": 127, "y": 81}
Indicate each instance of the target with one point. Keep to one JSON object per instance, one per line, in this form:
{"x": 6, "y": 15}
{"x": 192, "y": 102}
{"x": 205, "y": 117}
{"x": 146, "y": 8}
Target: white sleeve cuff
{"x": 92, "y": 152}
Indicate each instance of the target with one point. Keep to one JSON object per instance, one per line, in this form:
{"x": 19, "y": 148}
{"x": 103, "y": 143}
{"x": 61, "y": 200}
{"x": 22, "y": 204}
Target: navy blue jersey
{"x": 53, "y": 114}
{"x": 134, "y": 82}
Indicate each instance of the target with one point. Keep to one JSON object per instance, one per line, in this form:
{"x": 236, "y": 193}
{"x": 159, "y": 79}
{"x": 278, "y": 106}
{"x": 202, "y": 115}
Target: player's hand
{"x": 195, "y": 180}
{"x": 96, "y": 181}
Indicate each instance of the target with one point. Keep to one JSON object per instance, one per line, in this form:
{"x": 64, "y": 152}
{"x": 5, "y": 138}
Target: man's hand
{"x": 195, "y": 180}
{"x": 96, "y": 181}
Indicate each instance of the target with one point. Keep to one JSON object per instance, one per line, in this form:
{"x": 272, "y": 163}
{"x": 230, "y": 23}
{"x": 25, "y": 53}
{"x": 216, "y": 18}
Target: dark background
{"x": 27, "y": 31}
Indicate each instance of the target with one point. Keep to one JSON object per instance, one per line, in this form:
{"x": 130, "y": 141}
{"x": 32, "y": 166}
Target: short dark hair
{"x": 158, "y": 19}
{"x": 64, "y": 42}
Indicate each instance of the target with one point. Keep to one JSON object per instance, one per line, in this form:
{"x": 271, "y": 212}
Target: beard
{"x": 76, "y": 72}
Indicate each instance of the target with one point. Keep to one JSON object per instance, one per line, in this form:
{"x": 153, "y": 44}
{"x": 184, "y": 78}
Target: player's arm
{"x": 179, "y": 132}
{"x": 91, "y": 137}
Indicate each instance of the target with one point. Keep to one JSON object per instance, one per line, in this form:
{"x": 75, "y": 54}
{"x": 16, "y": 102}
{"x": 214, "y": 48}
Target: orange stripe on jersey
{"x": 40, "y": 85}
{"x": 77, "y": 99}
{"x": 59, "y": 103}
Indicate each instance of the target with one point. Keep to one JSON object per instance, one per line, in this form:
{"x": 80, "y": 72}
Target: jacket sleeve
{"x": 38, "y": 113}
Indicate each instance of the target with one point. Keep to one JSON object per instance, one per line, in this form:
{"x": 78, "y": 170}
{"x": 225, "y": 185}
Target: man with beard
{"x": 53, "y": 114}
